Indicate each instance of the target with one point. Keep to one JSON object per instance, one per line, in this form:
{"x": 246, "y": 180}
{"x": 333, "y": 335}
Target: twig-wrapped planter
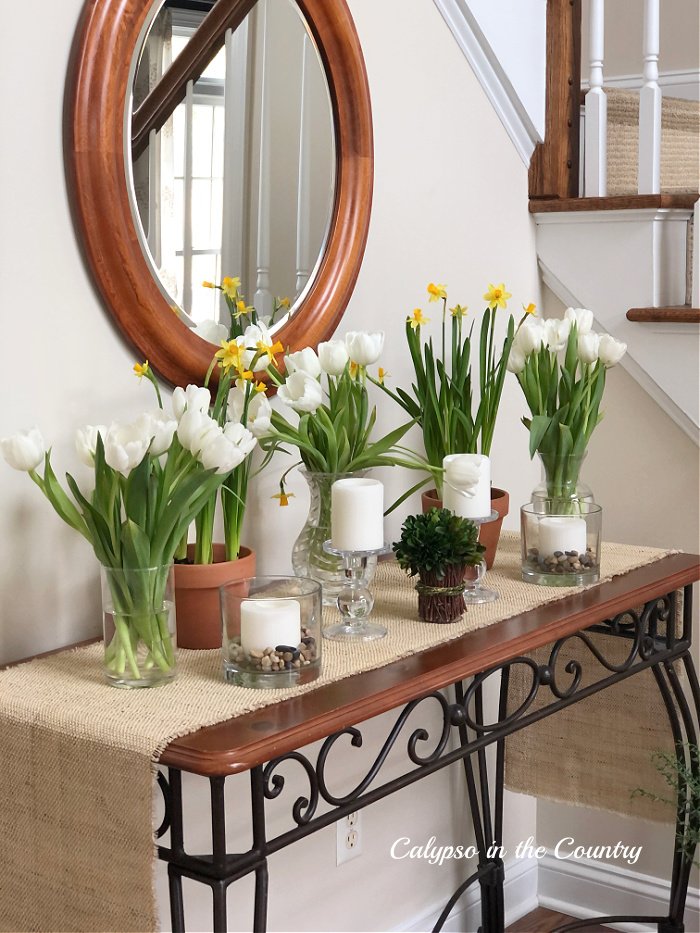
{"x": 440, "y": 599}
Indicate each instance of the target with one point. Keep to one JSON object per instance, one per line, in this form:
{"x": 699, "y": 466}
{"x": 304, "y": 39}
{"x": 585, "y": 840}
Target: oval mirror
{"x": 219, "y": 139}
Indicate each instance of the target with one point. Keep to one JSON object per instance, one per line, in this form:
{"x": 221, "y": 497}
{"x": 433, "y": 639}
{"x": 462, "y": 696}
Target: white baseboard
{"x": 587, "y": 888}
{"x": 520, "y": 892}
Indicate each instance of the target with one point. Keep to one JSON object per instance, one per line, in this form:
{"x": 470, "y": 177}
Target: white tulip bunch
{"x": 327, "y": 388}
{"x": 561, "y": 366}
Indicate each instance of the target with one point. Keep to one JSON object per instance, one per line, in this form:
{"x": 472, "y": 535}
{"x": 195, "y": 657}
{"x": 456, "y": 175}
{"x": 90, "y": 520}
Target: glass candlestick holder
{"x": 355, "y": 601}
{"x": 474, "y": 592}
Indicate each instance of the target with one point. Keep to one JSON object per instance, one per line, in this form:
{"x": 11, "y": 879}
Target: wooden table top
{"x": 254, "y": 738}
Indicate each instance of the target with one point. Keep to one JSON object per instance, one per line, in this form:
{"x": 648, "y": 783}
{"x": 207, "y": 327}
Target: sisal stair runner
{"x": 680, "y": 143}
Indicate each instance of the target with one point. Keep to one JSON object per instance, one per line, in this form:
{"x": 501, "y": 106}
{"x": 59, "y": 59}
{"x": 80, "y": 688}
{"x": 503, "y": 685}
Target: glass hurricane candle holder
{"x": 355, "y": 601}
{"x": 271, "y": 631}
{"x": 560, "y": 548}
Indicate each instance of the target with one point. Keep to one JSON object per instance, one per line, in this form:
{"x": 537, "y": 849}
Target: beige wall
{"x": 679, "y": 44}
{"x": 450, "y": 205}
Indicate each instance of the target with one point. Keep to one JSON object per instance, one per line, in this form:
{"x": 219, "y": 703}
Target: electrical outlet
{"x": 349, "y": 838}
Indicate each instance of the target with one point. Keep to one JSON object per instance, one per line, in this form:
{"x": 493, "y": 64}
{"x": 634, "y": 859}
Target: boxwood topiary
{"x": 438, "y": 540}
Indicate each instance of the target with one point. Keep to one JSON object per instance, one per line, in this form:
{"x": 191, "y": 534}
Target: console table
{"x": 640, "y": 608}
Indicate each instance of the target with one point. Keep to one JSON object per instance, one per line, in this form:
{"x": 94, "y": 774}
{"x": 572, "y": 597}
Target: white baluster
{"x": 263, "y": 297}
{"x": 187, "y": 203}
{"x": 596, "y": 136}
{"x": 236, "y": 144}
{"x": 303, "y": 258}
{"x": 650, "y": 105}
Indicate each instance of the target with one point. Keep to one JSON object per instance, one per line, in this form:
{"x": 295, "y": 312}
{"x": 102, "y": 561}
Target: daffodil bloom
{"x": 436, "y": 292}
{"x": 284, "y": 303}
{"x": 497, "y": 296}
{"x": 141, "y": 369}
{"x": 382, "y": 374}
{"x": 530, "y": 309}
{"x": 458, "y": 311}
{"x": 230, "y": 285}
{"x": 283, "y": 497}
{"x": 260, "y": 387}
{"x": 208, "y": 285}
{"x": 417, "y": 318}
{"x": 241, "y": 307}
{"x": 270, "y": 350}
{"x": 229, "y": 355}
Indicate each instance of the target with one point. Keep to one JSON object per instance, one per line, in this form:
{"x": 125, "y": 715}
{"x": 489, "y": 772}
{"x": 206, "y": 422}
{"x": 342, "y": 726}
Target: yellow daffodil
{"x": 382, "y": 375}
{"x": 458, "y": 311}
{"x": 141, "y": 369}
{"x": 417, "y": 318}
{"x": 283, "y": 497}
{"x": 229, "y": 355}
{"x": 230, "y": 285}
{"x": 208, "y": 285}
{"x": 530, "y": 309}
{"x": 241, "y": 308}
{"x": 497, "y": 296}
{"x": 245, "y": 374}
{"x": 436, "y": 292}
{"x": 270, "y": 349}
{"x": 260, "y": 387}
{"x": 284, "y": 302}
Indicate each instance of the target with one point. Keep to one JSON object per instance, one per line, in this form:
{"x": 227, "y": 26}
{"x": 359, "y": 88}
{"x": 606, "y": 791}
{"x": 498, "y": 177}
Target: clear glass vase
{"x": 138, "y": 614}
{"x": 561, "y": 487}
{"x": 308, "y": 557}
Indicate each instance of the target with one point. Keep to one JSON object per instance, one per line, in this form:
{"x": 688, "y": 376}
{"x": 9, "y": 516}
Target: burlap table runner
{"x": 77, "y": 766}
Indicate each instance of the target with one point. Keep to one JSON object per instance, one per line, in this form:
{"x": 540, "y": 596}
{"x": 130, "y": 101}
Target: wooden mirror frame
{"x": 96, "y": 96}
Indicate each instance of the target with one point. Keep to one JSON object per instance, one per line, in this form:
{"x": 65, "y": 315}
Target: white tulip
{"x": 516, "y": 360}
{"x": 610, "y": 350}
{"x": 86, "y": 442}
{"x": 212, "y": 331}
{"x": 581, "y": 317}
{"x": 161, "y": 428}
{"x": 260, "y": 416}
{"x": 363, "y": 348}
{"x": 195, "y": 430}
{"x": 530, "y": 336}
{"x": 588, "y": 347}
{"x": 126, "y": 445}
{"x": 259, "y": 410}
{"x": 333, "y": 357}
{"x": 301, "y": 392}
{"x": 556, "y": 333}
{"x": 193, "y": 398}
{"x": 303, "y": 361}
{"x": 255, "y": 334}
{"x": 24, "y": 450}
{"x": 225, "y": 450}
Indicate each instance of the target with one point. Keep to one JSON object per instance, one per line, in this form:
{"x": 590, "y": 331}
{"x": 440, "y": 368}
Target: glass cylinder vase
{"x": 271, "y": 631}
{"x": 560, "y": 549}
{"x": 308, "y": 557}
{"x": 561, "y": 483}
{"x": 138, "y": 615}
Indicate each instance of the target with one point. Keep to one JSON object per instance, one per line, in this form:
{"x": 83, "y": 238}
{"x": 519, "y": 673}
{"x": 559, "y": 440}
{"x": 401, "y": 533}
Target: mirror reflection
{"x": 239, "y": 180}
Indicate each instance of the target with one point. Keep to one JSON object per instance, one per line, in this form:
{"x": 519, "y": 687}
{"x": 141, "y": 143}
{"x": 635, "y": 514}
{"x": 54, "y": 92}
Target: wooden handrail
{"x": 681, "y": 314}
{"x": 554, "y": 164}
{"x": 188, "y": 66}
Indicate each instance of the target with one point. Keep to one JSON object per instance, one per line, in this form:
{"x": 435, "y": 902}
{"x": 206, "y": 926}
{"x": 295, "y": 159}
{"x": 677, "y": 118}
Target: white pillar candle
{"x": 562, "y": 533}
{"x": 467, "y": 485}
{"x": 357, "y": 514}
{"x": 267, "y": 623}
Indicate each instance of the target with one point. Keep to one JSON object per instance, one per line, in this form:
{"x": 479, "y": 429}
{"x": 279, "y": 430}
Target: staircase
{"x": 629, "y": 256}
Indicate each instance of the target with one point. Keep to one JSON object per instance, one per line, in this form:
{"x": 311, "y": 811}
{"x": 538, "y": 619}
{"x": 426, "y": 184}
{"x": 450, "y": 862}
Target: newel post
{"x": 554, "y": 164}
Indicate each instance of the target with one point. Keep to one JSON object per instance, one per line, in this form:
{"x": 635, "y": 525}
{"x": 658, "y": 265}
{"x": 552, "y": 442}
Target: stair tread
{"x": 616, "y": 203}
{"x": 677, "y": 314}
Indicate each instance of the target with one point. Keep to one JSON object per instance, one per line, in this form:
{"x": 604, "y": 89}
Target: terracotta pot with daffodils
{"x": 238, "y": 406}
{"x": 455, "y": 403}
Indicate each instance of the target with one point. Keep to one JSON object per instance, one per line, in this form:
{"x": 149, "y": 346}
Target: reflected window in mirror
{"x": 240, "y": 178}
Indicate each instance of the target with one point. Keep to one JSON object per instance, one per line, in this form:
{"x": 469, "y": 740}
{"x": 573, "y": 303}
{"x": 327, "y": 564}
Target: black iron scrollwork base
{"x": 653, "y": 643}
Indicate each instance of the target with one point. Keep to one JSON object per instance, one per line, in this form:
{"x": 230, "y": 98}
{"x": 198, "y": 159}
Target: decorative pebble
{"x": 561, "y": 562}
{"x": 281, "y": 658}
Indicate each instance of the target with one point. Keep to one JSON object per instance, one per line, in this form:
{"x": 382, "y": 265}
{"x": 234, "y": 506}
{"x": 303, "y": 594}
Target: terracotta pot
{"x": 197, "y": 595}
{"x": 491, "y": 531}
